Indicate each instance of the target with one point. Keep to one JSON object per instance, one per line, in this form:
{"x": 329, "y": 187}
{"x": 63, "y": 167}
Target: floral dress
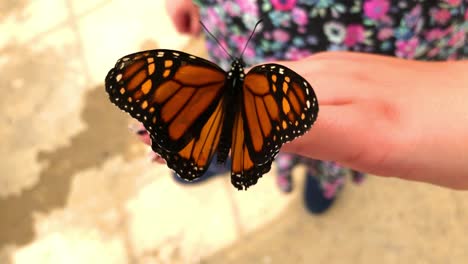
{"x": 294, "y": 29}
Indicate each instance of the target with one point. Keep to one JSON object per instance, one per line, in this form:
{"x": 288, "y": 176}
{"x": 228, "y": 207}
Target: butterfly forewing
{"x": 278, "y": 105}
{"x": 178, "y": 98}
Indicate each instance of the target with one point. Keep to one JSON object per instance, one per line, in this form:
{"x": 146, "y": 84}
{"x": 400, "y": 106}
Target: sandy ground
{"x": 76, "y": 186}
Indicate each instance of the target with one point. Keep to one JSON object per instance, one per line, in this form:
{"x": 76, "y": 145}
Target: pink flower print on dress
{"x": 231, "y": 8}
{"x": 331, "y": 188}
{"x": 249, "y": 53}
{"x": 385, "y": 33}
{"x": 434, "y": 34}
{"x": 296, "y": 54}
{"x": 376, "y": 9}
{"x": 239, "y": 40}
{"x": 407, "y": 48}
{"x": 300, "y": 16}
{"x": 355, "y": 34}
{"x": 219, "y": 52}
{"x": 283, "y": 5}
{"x": 248, "y": 7}
{"x": 433, "y": 52}
{"x": 453, "y": 3}
{"x": 281, "y": 35}
{"x": 457, "y": 39}
{"x": 441, "y": 16}
{"x": 213, "y": 18}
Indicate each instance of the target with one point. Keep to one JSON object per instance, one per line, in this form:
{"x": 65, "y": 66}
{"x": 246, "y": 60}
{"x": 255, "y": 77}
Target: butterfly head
{"x": 237, "y": 68}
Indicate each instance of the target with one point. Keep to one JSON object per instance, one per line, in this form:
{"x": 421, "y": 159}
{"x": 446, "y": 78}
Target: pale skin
{"x": 382, "y": 115}
{"x": 389, "y": 116}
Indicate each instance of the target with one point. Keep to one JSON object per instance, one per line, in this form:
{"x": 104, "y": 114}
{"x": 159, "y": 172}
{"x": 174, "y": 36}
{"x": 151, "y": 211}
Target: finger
{"x": 141, "y": 132}
{"x": 331, "y": 82}
{"x": 195, "y": 26}
{"x": 341, "y": 134}
{"x": 155, "y": 157}
{"x": 182, "y": 22}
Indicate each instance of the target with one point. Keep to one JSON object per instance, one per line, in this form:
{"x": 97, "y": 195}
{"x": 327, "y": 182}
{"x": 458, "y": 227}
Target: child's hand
{"x": 184, "y": 15}
{"x": 388, "y": 116}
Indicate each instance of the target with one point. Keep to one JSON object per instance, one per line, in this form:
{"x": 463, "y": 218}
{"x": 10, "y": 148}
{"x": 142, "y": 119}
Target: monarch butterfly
{"x": 193, "y": 109}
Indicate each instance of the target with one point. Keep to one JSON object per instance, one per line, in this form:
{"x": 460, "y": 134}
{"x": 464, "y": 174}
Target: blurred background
{"x": 76, "y": 186}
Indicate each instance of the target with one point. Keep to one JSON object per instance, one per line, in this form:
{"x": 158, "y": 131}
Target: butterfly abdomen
{"x": 225, "y": 141}
{"x": 232, "y": 105}
{"x": 223, "y": 148}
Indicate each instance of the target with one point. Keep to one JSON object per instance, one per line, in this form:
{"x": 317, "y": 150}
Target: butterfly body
{"x": 193, "y": 110}
{"x": 232, "y": 105}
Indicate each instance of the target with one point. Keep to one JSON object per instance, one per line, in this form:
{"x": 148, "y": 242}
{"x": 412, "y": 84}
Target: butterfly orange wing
{"x": 179, "y": 99}
{"x": 278, "y": 105}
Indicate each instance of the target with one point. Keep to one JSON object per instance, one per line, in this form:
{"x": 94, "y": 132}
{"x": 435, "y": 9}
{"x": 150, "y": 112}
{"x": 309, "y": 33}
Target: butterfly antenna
{"x": 217, "y": 41}
{"x": 251, "y": 35}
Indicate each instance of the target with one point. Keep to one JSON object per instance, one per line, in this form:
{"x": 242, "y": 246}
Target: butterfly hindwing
{"x": 244, "y": 171}
{"x": 278, "y": 105}
{"x": 178, "y": 98}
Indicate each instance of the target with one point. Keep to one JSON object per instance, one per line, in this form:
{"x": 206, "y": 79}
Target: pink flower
{"x": 452, "y": 57}
{"x": 354, "y": 35}
{"x": 218, "y": 52}
{"x": 248, "y": 7}
{"x": 457, "y": 39}
{"x": 249, "y": 53}
{"x": 453, "y": 2}
{"x": 441, "y": 15}
{"x": 385, "y": 33}
{"x": 296, "y": 54}
{"x": 407, "y": 48}
{"x": 466, "y": 14}
{"x": 240, "y": 40}
{"x": 376, "y": 9}
{"x": 281, "y": 35}
{"x": 434, "y": 34}
{"x": 231, "y": 9}
{"x": 283, "y": 5}
{"x": 331, "y": 188}
{"x": 433, "y": 52}
{"x": 213, "y": 18}
{"x": 300, "y": 16}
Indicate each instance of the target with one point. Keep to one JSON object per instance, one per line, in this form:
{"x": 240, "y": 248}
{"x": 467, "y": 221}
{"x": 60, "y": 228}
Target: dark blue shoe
{"x": 315, "y": 198}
